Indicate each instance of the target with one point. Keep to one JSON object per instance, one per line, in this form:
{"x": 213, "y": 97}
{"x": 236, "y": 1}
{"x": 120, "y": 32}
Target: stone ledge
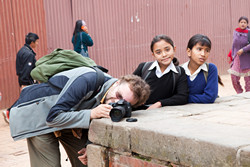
{"x": 193, "y": 135}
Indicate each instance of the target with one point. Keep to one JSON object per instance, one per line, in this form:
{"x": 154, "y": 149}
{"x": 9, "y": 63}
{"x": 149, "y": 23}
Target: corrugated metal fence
{"x": 122, "y": 30}
{"x": 17, "y": 18}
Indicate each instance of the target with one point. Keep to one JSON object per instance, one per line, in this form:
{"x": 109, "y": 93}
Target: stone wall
{"x": 189, "y": 135}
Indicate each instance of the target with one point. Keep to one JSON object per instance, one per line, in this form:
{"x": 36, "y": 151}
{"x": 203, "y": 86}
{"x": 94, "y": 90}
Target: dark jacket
{"x": 65, "y": 102}
{"x": 25, "y": 62}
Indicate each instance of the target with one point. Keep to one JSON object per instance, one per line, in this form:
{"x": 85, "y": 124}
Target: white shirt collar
{"x": 194, "y": 75}
{"x": 158, "y": 72}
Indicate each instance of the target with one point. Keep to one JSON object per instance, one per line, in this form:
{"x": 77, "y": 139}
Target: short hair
{"x": 203, "y": 40}
{"x": 243, "y": 18}
{"x": 138, "y": 86}
{"x": 31, "y": 37}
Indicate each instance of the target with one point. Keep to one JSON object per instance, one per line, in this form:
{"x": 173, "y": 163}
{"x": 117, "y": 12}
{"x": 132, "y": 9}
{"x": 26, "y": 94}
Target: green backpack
{"x": 57, "y": 61}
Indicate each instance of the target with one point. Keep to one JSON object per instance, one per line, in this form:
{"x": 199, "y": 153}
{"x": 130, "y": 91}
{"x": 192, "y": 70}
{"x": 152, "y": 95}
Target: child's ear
{"x": 189, "y": 52}
{"x": 153, "y": 54}
{"x": 82, "y": 27}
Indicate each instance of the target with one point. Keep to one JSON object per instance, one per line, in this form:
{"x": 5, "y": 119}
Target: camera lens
{"x": 117, "y": 113}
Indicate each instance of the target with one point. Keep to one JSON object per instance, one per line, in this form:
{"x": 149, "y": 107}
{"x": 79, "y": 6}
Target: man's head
{"x": 32, "y": 39}
{"x": 130, "y": 88}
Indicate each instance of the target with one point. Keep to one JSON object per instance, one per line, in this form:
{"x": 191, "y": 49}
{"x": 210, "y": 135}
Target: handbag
{"x": 83, "y": 52}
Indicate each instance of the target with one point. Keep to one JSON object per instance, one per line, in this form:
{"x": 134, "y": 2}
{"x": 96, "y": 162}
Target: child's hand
{"x": 155, "y": 105}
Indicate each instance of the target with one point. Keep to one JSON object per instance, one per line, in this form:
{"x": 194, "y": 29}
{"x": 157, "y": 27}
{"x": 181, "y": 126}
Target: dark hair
{"x": 78, "y": 28}
{"x": 31, "y": 37}
{"x": 220, "y": 80}
{"x": 243, "y": 18}
{"x": 167, "y": 39}
{"x": 158, "y": 38}
{"x": 201, "y": 39}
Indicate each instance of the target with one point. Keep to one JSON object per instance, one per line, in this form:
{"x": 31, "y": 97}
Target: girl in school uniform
{"x": 168, "y": 83}
{"x": 202, "y": 77}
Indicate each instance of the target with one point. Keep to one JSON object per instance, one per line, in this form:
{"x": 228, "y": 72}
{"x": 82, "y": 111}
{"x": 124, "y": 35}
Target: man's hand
{"x": 83, "y": 158}
{"x": 155, "y": 105}
{"x": 240, "y": 52}
{"x": 101, "y": 111}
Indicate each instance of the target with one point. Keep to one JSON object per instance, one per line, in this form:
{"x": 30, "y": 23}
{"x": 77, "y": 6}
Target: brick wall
{"x": 99, "y": 156}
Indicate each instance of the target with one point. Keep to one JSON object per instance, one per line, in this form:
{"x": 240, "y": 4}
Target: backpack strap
{"x": 99, "y": 81}
{"x": 175, "y": 75}
{"x": 145, "y": 72}
{"x": 205, "y": 73}
{"x": 100, "y": 78}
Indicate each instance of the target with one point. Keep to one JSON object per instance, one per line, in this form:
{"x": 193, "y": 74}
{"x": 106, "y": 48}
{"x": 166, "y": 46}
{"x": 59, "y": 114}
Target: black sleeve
{"x": 138, "y": 70}
{"x": 19, "y": 62}
{"x": 25, "y": 62}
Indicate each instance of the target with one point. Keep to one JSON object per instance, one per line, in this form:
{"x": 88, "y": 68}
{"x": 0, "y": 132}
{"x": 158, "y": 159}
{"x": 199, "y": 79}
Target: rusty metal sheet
{"x": 59, "y": 25}
{"x": 17, "y": 19}
{"x": 122, "y": 30}
{"x": 7, "y": 55}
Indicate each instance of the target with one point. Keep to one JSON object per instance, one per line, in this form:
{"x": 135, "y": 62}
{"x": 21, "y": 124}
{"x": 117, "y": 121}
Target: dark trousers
{"x": 44, "y": 149}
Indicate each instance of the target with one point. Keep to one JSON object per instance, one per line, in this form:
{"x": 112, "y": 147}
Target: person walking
{"x": 25, "y": 60}
{"x": 241, "y": 56}
{"x": 81, "y": 38}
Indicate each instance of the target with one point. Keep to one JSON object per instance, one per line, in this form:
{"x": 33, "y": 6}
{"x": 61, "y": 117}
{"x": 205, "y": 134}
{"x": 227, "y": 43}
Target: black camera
{"x": 120, "y": 109}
